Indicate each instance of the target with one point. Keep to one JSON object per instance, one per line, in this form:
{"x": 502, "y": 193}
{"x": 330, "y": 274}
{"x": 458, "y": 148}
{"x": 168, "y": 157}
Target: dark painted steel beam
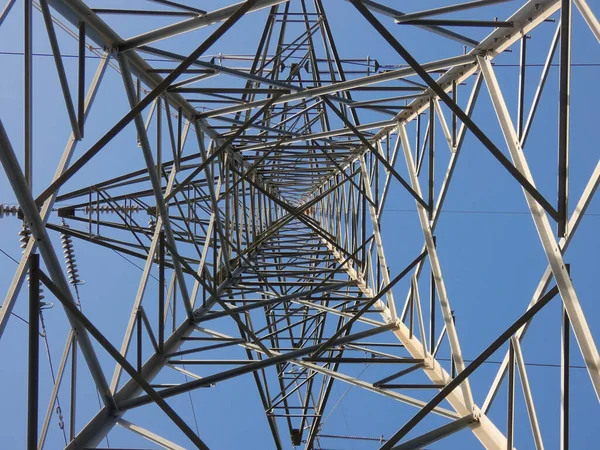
{"x": 483, "y": 356}
{"x": 469, "y": 123}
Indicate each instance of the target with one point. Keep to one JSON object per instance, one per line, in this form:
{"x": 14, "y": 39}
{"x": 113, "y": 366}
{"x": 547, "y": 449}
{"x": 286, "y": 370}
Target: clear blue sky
{"x": 490, "y": 253}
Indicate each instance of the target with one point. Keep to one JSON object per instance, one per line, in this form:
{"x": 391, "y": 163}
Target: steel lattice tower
{"x": 254, "y": 211}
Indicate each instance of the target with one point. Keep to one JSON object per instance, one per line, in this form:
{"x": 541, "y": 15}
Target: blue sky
{"x": 490, "y": 253}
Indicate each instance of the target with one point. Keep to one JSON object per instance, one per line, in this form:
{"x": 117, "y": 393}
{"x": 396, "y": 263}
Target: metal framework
{"x": 258, "y": 209}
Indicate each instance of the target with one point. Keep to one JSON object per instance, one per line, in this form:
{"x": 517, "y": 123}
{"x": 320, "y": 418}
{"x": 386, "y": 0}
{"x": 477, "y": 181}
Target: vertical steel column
{"x": 28, "y": 97}
{"x": 138, "y": 94}
{"x": 159, "y": 137}
{"x": 139, "y": 340}
{"x": 432, "y": 306}
{"x": 452, "y": 361}
{"x": 411, "y": 309}
{"x": 580, "y": 326}
{"x": 521, "y": 96}
{"x": 73, "y": 408}
{"x": 179, "y": 136}
{"x": 34, "y": 351}
{"x": 363, "y": 227}
{"x": 564, "y": 116}
{"x": 60, "y": 69}
{"x": 161, "y": 292}
{"x": 510, "y": 434}
{"x": 81, "y": 79}
{"x": 454, "y": 119}
{"x": 430, "y": 183}
{"x": 564, "y": 380}
{"x": 418, "y": 139}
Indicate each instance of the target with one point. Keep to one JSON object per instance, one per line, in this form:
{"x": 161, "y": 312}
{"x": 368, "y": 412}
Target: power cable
{"x": 133, "y": 264}
{"x": 386, "y": 66}
{"x": 441, "y": 359}
{"x": 505, "y": 213}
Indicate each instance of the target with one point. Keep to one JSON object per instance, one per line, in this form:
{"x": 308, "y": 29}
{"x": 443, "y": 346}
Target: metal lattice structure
{"x": 258, "y": 208}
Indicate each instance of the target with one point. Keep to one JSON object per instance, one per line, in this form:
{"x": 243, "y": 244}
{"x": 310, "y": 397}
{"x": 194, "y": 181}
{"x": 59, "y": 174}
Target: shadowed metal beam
{"x": 114, "y": 353}
{"x": 483, "y": 356}
{"x": 46, "y": 210}
{"x": 441, "y": 93}
{"x": 250, "y": 367}
{"x": 23, "y": 193}
{"x": 438, "y": 433}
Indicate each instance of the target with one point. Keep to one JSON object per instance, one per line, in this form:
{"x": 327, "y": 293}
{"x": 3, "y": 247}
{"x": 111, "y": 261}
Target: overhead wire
{"x": 44, "y": 335}
{"x": 24, "y": 233}
{"x": 132, "y": 263}
{"x": 441, "y": 359}
{"x": 344, "y": 395}
{"x": 383, "y": 66}
{"x": 506, "y": 213}
{"x": 390, "y": 210}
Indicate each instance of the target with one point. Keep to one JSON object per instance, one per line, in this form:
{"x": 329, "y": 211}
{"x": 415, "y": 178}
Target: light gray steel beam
{"x": 60, "y": 69}
{"x": 154, "y": 180}
{"x": 538, "y": 93}
{"x": 148, "y": 435}
{"x": 437, "y": 270}
{"x": 551, "y": 247}
{"x": 104, "y": 420}
{"x": 394, "y": 13}
{"x": 19, "y": 277}
{"x": 574, "y": 222}
{"x": 141, "y": 287}
{"x": 195, "y": 23}
{"x": 355, "y": 382}
{"x": 76, "y": 11}
{"x": 447, "y": 9}
{"x": 456, "y": 61}
{"x": 527, "y": 394}
{"x": 588, "y": 16}
{"x": 531, "y": 15}
{"x": 36, "y": 225}
{"x": 55, "y": 388}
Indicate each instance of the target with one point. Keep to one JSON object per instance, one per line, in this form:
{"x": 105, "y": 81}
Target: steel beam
{"x": 36, "y": 225}
{"x": 33, "y": 371}
{"x": 551, "y": 247}
{"x": 195, "y": 23}
{"x": 19, "y": 276}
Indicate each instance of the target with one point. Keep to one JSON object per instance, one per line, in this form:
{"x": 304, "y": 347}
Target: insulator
{"x": 24, "y": 235}
{"x": 61, "y": 423}
{"x": 151, "y": 224}
{"x": 69, "y": 254}
{"x": 103, "y": 209}
{"x": 9, "y": 210}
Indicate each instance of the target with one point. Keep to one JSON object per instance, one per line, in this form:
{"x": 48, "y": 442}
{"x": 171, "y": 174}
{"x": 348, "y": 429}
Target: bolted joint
{"x": 428, "y": 361}
{"x": 476, "y": 413}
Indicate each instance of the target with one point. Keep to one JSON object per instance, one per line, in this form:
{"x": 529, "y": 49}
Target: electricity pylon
{"x": 258, "y": 209}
